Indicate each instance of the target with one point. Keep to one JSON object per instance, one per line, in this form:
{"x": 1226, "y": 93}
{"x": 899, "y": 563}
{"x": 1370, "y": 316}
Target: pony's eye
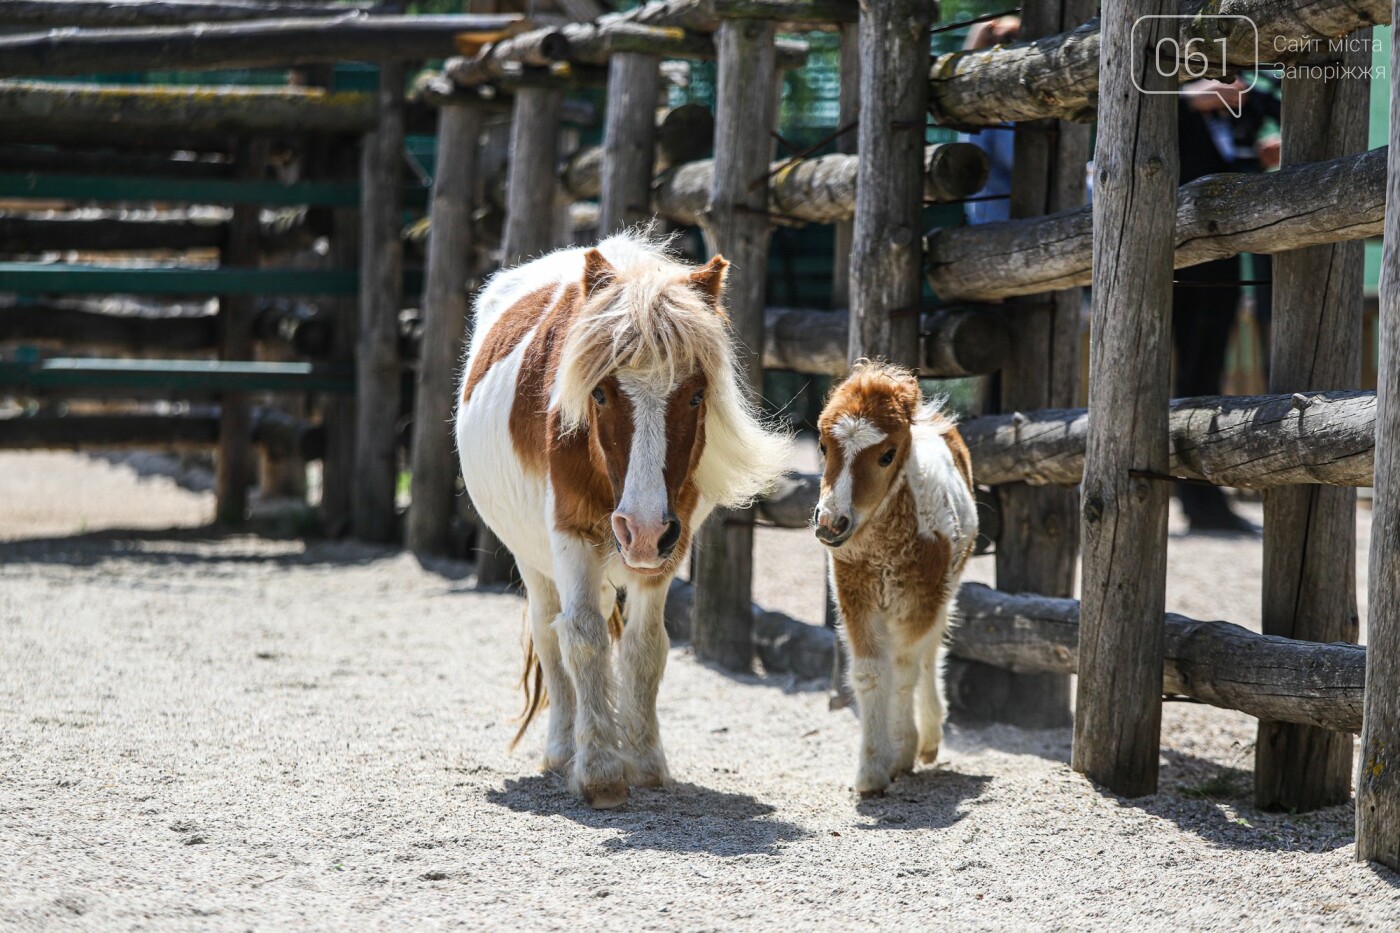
{"x": 821, "y": 449}
{"x": 599, "y": 397}
{"x": 887, "y": 457}
{"x": 697, "y": 399}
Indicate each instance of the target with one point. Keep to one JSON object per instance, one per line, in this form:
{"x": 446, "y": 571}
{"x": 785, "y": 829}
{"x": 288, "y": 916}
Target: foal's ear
{"x": 708, "y": 280}
{"x": 597, "y": 272}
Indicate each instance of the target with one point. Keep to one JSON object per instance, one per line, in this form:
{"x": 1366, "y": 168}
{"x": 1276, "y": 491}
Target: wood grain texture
{"x": 1253, "y": 442}
{"x": 629, "y": 142}
{"x": 886, "y": 246}
{"x": 737, "y": 227}
{"x": 451, "y": 258}
{"x": 1378, "y": 783}
{"x": 1118, "y": 714}
{"x": 1309, "y": 586}
{"x": 1216, "y": 216}
{"x": 377, "y": 388}
{"x": 1058, "y": 76}
{"x": 1037, "y": 548}
{"x": 338, "y": 411}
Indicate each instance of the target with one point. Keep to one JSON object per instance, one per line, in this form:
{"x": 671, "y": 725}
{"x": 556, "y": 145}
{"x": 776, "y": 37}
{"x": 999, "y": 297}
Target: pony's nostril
{"x": 841, "y": 524}
{"x": 622, "y": 530}
{"x": 667, "y": 542}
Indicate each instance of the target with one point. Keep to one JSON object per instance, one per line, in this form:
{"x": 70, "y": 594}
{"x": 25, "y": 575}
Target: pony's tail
{"x": 532, "y": 677}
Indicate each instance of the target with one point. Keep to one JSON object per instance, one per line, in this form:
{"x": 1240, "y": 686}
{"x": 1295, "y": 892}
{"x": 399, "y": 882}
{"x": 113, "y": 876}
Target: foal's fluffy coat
{"x": 898, "y": 515}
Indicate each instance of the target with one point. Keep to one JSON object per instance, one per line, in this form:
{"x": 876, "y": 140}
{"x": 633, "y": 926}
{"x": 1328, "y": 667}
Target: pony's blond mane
{"x": 647, "y": 321}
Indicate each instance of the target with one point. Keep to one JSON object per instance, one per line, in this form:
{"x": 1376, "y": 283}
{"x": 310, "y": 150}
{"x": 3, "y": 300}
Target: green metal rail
{"x": 64, "y": 187}
{"x": 77, "y": 278}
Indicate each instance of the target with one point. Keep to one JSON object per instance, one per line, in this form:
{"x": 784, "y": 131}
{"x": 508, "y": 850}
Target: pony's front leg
{"x": 598, "y": 774}
{"x": 872, "y": 682}
{"x": 904, "y": 737}
{"x": 643, "y": 661}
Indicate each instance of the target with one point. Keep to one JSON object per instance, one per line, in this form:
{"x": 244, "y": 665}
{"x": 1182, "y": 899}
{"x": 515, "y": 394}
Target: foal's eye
{"x": 697, "y": 399}
{"x": 599, "y": 397}
{"x": 821, "y": 449}
{"x": 887, "y": 457}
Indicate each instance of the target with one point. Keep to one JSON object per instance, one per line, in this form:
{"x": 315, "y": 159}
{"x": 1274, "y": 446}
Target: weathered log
{"x": 536, "y": 48}
{"x": 377, "y": 381}
{"x": 161, "y": 432}
{"x": 450, "y": 266}
{"x": 264, "y": 43}
{"x": 594, "y": 44}
{"x": 955, "y": 342}
{"x": 1118, "y": 716}
{"x": 97, "y": 13}
{"x": 817, "y": 190}
{"x": 1214, "y": 662}
{"x": 1378, "y": 780}
{"x": 84, "y": 232}
{"x": 735, "y": 226}
{"x": 1216, "y": 216}
{"x": 886, "y": 248}
{"x": 1217, "y": 663}
{"x": 1058, "y": 76}
{"x": 790, "y": 11}
{"x": 1309, "y": 584}
{"x": 629, "y": 141}
{"x": 94, "y": 108}
{"x": 1249, "y": 442}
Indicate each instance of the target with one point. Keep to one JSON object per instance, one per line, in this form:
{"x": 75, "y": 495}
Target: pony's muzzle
{"x": 832, "y": 527}
{"x": 645, "y": 545}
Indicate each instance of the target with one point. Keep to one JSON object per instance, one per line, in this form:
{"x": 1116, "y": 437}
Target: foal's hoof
{"x": 607, "y": 796}
{"x": 929, "y": 757}
{"x": 872, "y": 794}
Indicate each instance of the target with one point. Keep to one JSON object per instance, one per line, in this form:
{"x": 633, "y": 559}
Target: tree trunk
{"x": 1216, "y": 216}
{"x": 449, "y": 273}
{"x": 280, "y": 43}
{"x": 1119, "y": 711}
{"x": 1058, "y": 76}
{"x": 736, "y": 226}
{"x": 886, "y": 237}
{"x": 629, "y": 142}
{"x": 1378, "y": 785}
{"x": 1309, "y": 589}
{"x": 377, "y": 384}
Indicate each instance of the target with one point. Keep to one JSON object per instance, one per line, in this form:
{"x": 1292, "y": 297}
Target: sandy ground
{"x": 238, "y": 733}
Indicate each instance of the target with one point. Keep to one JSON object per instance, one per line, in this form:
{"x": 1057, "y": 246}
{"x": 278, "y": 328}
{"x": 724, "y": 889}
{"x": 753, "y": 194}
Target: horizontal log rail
{"x": 273, "y": 430}
{"x": 1218, "y": 663}
{"x": 1216, "y": 216}
{"x": 816, "y": 190}
{"x": 1058, "y": 76}
{"x": 98, "y": 109}
{"x": 257, "y": 44}
{"x": 955, "y": 342}
{"x": 1250, "y": 442}
{"x": 99, "y": 13}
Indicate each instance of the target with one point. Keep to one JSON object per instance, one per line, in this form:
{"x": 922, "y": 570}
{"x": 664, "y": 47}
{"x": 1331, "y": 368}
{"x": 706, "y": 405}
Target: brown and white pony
{"x": 898, "y": 516}
{"x": 601, "y": 420}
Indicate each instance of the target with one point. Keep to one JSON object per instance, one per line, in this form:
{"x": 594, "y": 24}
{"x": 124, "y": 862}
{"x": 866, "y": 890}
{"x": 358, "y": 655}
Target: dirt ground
{"x": 202, "y": 732}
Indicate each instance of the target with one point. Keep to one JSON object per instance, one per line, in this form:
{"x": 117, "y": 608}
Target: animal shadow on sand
{"x": 929, "y": 799}
{"x": 683, "y": 817}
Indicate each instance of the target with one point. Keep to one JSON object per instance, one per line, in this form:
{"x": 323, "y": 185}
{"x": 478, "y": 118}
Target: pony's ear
{"x": 597, "y": 272}
{"x": 708, "y": 280}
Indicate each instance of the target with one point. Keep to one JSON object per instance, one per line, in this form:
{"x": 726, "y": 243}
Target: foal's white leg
{"x": 584, "y": 642}
{"x": 543, "y": 600}
{"x": 642, "y": 661}
{"x": 904, "y": 738}
{"x": 930, "y": 691}
{"x": 872, "y": 681}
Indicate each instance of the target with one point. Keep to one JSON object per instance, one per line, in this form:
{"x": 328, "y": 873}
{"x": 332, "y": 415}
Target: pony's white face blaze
{"x": 649, "y": 429}
{"x": 837, "y": 516}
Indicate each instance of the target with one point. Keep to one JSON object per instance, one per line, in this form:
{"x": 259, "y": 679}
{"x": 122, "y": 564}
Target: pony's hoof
{"x": 606, "y": 796}
{"x": 929, "y": 756}
{"x": 872, "y": 793}
{"x": 872, "y": 783}
{"x": 558, "y": 760}
{"x": 647, "y": 770}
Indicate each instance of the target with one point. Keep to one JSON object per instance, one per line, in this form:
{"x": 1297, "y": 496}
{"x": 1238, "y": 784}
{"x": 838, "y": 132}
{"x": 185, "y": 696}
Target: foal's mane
{"x": 648, "y": 319}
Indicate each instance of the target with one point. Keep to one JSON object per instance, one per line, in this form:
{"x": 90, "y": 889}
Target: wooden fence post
{"x": 887, "y": 235}
{"x": 338, "y": 411}
{"x": 1037, "y": 549}
{"x": 377, "y": 391}
{"x": 449, "y": 274}
{"x": 1309, "y": 587}
{"x": 530, "y": 185}
{"x": 737, "y": 227}
{"x": 1117, "y": 728}
{"x": 629, "y": 142}
{"x": 234, "y": 459}
{"x": 1378, "y": 784}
